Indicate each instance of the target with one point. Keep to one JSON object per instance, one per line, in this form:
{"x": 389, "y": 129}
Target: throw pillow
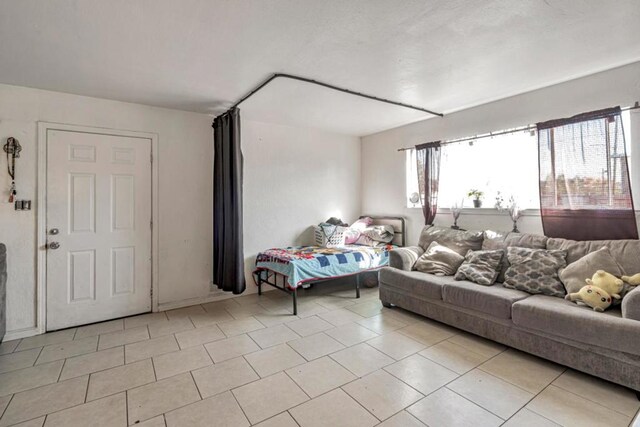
{"x": 573, "y": 277}
{"x": 535, "y": 271}
{"x": 458, "y": 240}
{"x": 480, "y": 267}
{"x": 504, "y": 239}
{"x": 439, "y": 260}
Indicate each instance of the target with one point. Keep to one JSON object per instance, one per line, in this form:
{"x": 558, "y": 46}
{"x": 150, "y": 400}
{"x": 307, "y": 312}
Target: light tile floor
{"x": 247, "y": 361}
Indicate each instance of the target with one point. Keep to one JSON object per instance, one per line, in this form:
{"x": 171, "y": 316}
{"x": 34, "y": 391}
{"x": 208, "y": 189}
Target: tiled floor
{"x": 247, "y": 361}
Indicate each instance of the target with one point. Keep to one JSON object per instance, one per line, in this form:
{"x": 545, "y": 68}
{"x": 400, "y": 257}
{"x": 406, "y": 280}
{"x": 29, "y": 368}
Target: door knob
{"x": 54, "y": 245}
{"x": 54, "y": 231}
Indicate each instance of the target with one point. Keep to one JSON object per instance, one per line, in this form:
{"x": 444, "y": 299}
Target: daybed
{"x": 288, "y": 268}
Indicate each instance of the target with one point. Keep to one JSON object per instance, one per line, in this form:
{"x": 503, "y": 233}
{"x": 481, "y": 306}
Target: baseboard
{"x": 21, "y": 333}
{"x": 29, "y": 332}
{"x": 200, "y": 300}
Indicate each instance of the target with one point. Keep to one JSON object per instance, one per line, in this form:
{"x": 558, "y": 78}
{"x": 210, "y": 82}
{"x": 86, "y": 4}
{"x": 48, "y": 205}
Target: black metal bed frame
{"x": 294, "y": 292}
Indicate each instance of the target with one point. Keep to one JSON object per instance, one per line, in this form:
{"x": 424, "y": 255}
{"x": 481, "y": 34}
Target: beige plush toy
{"x": 593, "y": 296}
{"x": 632, "y": 280}
{"x": 607, "y": 282}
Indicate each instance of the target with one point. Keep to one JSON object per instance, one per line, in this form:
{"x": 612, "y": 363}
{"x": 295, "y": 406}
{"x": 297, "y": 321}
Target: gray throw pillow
{"x": 480, "y": 267}
{"x": 439, "y": 260}
{"x": 505, "y": 239}
{"x": 459, "y": 241}
{"x": 574, "y": 275}
{"x": 535, "y": 271}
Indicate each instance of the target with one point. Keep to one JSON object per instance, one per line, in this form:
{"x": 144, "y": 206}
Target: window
{"x": 583, "y": 164}
{"x": 412, "y": 179}
{"x": 505, "y": 163}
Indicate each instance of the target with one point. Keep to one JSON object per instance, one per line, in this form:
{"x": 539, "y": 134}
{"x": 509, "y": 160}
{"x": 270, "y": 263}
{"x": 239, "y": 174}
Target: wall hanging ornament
{"x": 12, "y": 148}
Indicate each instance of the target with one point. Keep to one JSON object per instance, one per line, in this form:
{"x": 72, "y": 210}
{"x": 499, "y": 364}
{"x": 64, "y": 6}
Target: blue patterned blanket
{"x": 303, "y": 264}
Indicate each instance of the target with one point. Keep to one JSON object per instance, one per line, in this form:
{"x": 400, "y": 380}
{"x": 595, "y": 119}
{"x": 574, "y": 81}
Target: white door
{"x": 98, "y": 227}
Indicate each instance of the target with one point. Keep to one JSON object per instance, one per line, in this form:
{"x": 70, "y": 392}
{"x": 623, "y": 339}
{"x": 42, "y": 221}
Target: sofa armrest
{"x": 631, "y": 304}
{"x": 404, "y": 258}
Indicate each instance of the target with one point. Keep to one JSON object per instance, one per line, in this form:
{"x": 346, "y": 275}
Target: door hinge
{"x": 151, "y": 225}
{"x": 151, "y": 157}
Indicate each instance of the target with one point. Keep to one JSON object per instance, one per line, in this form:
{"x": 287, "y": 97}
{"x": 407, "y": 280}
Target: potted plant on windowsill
{"x": 477, "y": 196}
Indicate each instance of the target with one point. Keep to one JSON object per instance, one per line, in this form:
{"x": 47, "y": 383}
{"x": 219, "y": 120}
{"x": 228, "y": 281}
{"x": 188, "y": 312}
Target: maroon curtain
{"x": 428, "y": 158}
{"x": 585, "y": 191}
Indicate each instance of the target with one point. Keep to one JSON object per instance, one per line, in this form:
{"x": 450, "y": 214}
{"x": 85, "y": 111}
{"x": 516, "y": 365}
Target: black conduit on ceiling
{"x": 327, "y": 85}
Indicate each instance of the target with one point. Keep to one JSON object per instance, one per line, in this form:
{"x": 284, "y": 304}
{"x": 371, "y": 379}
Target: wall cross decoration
{"x": 12, "y": 148}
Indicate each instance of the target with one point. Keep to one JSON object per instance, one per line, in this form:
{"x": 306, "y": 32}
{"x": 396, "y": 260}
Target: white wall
{"x": 383, "y": 169}
{"x": 294, "y": 178}
{"x": 185, "y": 181}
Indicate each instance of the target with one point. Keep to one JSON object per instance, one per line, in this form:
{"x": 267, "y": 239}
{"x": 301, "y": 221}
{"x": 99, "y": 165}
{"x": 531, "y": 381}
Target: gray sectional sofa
{"x": 606, "y": 344}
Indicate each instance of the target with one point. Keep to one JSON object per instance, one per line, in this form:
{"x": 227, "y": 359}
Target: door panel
{"x": 123, "y": 270}
{"x": 122, "y": 207}
{"x": 99, "y": 198}
{"x": 82, "y": 202}
{"x": 82, "y": 278}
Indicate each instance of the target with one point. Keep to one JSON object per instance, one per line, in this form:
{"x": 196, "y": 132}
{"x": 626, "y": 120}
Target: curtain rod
{"x": 504, "y": 132}
{"x": 330, "y": 86}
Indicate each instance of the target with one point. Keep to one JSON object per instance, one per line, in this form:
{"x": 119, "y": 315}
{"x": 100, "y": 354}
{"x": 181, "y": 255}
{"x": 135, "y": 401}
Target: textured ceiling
{"x": 202, "y": 55}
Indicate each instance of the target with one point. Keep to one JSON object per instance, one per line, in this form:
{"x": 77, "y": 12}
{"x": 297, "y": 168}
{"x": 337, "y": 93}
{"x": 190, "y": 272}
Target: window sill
{"x": 481, "y": 211}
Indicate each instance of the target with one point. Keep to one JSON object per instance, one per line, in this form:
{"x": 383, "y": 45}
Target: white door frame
{"x": 41, "y": 210}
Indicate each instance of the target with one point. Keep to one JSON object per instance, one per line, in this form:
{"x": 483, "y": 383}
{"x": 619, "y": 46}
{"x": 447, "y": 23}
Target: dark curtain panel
{"x": 585, "y": 191}
{"x": 228, "y": 255}
{"x": 428, "y": 158}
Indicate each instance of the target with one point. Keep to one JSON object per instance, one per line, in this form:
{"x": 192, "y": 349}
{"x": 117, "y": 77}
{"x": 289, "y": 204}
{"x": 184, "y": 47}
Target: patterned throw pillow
{"x": 535, "y": 271}
{"x": 439, "y": 260}
{"x": 494, "y": 240}
{"x": 481, "y": 267}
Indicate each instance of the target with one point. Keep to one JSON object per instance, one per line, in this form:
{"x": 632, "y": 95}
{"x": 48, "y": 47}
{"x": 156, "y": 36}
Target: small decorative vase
{"x": 456, "y": 210}
{"x": 477, "y": 203}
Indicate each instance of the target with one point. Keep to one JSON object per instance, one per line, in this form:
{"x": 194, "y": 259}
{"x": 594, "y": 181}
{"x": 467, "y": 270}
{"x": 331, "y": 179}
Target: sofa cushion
{"x": 415, "y": 282}
{"x": 480, "y": 267}
{"x": 458, "y": 240}
{"x": 493, "y": 240}
{"x": 440, "y": 260}
{"x": 535, "y": 271}
{"x": 574, "y": 275}
{"x": 565, "y": 319}
{"x": 495, "y": 300}
{"x": 625, "y": 252}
